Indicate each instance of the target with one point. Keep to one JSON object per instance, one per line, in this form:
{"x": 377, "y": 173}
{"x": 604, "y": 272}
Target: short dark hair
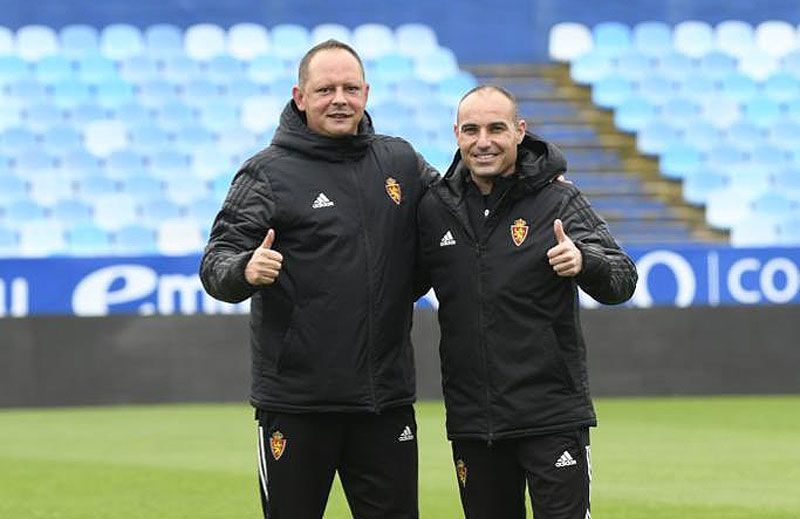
{"x": 302, "y": 70}
{"x": 496, "y": 88}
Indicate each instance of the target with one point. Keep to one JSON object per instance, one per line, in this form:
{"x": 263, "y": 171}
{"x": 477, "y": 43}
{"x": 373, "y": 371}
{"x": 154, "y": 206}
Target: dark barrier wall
{"x": 479, "y": 31}
{"x": 52, "y": 361}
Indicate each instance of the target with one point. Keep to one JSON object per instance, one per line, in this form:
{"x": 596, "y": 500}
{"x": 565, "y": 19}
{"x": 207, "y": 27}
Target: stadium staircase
{"x": 624, "y": 186}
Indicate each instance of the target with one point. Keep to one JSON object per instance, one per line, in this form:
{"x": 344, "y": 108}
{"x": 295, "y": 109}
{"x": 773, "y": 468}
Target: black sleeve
{"x": 238, "y": 229}
{"x": 427, "y": 173}
{"x": 608, "y": 274}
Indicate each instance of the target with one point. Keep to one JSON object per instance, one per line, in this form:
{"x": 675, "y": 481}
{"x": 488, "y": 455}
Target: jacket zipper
{"x": 370, "y": 305}
{"x": 484, "y": 348}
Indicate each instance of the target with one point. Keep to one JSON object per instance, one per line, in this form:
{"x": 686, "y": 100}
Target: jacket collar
{"x": 293, "y": 134}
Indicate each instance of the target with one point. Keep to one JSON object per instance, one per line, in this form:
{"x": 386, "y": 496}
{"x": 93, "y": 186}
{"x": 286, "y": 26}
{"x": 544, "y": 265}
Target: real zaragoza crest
{"x": 461, "y": 472}
{"x": 393, "y": 190}
{"x": 519, "y": 231}
{"x": 277, "y": 444}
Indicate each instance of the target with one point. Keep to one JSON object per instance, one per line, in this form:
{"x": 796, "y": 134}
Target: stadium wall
{"x": 57, "y": 361}
{"x": 502, "y": 31}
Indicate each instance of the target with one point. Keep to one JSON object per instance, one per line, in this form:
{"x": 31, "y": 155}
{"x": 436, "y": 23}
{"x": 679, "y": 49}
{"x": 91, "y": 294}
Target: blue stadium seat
{"x": 114, "y": 211}
{"x": 120, "y": 41}
{"x": 290, "y": 41}
{"x": 114, "y": 93}
{"x": 25, "y": 93}
{"x": 745, "y": 135}
{"x": 76, "y": 163}
{"x": 133, "y": 114}
{"x": 157, "y": 92}
{"x": 436, "y": 66}
{"x": 674, "y": 66}
{"x": 23, "y": 211}
{"x": 148, "y": 138}
{"x": 124, "y": 164}
{"x": 41, "y": 116}
{"x": 787, "y": 180}
{"x": 12, "y": 188}
{"x": 716, "y": 65}
{"x": 156, "y": 210}
{"x": 70, "y": 211}
{"x": 789, "y": 231}
{"x": 203, "y": 41}
{"x": 791, "y": 64}
{"x": 241, "y": 90}
{"x": 754, "y": 233}
{"x": 772, "y": 205}
{"x": 652, "y": 38}
{"x": 372, "y": 40}
{"x": 734, "y": 37}
{"x": 415, "y": 39}
{"x": 696, "y": 86}
{"x": 611, "y": 91}
{"x": 47, "y": 190}
{"x": 10, "y": 116}
{"x": 246, "y": 41}
{"x": 94, "y": 69}
{"x": 393, "y": 67}
{"x": 167, "y": 163}
{"x": 328, "y": 31}
{"x": 591, "y": 67}
{"x": 94, "y": 186}
{"x": 203, "y": 211}
{"x": 208, "y": 163}
{"x": 199, "y": 92}
{"x": 219, "y": 115}
{"x": 143, "y": 187}
{"x": 13, "y": 68}
{"x": 693, "y": 38}
{"x": 656, "y": 137}
{"x": 134, "y": 239}
{"x": 696, "y": 188}
{"x": 656, "y": 89}
{"x": 33, "y": 163}
{"x": 53, "y": 69}
{"x": 180, "y": 69}
{"x": 232, "y": 141}
{"x": 265, "y": 68}
{"x": 70, "y": 93}
{"x": 83, "y": 114}
{"x": 78, "y": 40}
{"x": 17, "y": 141}
{"x": 782, "y": 87}
{"x": 175, "y": 115}
{"x": 721, "y": 111}
{"x": 758, "y": 64}
{"x": 163, "y": 40}
{"x": 785, "y": 135}
{"x": 35, "y": 42}
{"x": 139, "y": 69}
{"x": 611, "y": 38}
{"x": 224, "y": 70}
{"x": 9, "y": 242}
{"x": 762, "y": 112}
{"x": 87, "y": 239}
{"x": 193, "y": 136}
{"x": 41, "y": 239}
{"x": 680, "y": 161}
{"x": 451, "y": 89}
{"x": 739, "y": 87}
{"x": 184, "y": 189}
{"x": 61, "y": 137}
{"x": 634, "y": 113}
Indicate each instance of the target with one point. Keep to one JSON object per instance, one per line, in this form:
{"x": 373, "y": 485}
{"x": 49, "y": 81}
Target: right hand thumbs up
{"x": 265, "y": 264}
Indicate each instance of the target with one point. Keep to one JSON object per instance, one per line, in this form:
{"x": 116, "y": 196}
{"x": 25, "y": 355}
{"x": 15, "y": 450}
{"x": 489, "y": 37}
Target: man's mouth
{"x": 340, "y": 116}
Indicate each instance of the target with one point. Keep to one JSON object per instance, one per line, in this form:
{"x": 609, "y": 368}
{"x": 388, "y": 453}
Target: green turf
{"x": 720, "y": 458}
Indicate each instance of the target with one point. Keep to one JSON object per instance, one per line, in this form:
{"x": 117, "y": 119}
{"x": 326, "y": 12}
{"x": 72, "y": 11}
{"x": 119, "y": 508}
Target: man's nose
{"x": 483, "y": 139}
{"x": 338, "y": 96}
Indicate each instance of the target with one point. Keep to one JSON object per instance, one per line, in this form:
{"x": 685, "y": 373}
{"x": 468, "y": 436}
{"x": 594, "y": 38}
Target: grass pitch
{"x": 686, "y": 458}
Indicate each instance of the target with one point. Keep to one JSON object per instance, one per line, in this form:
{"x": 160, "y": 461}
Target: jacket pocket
{"x": 553, "y": 349}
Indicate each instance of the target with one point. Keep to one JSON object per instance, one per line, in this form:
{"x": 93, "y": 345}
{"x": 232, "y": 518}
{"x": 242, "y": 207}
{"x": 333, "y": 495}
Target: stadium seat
{"x": 208, "y": 163}
{"x": 674, "y": 66}
{"x": 634, "y": 113}
{"x": 612, "y": 91}
{"x": 788, "y": 231}
{"x": 203, "y": 211}
{"x": 94, "y": 69}
{"x": 163, "y": 41}
{"x": 45, "y": 191}
{"x": 721, "y": 112}
{"x": 656, "y": 89}
{"x": 34, "y": 42}
{"x": 87, "y": 239}
{"x": 105, "y": 137}
{"x": 178, "y": 237}
{"x": 17, "y": 141}
{"x": 734, "y": 37}
{"x": 139, "y": 69}
{"x": 71, "y": 211}
{"x": 193, "y": 136}
{"x": 9, "y": 242}
{"x": 611, "y": 38}
{"x": 76, "y": 162}
{"x": 13, "y": 68}
{"x": 372, "y": 40}
{"x": 25, "y": 210}
{"x": 53, "y": 69}
{"x": 790, "y": 64}
{"x": 41, "y": 238}
{"x": 290, "y": 41}
{"x": 266, "y": 68}
{"x": 119, "y": 41}
{"x": 180, "y": 69}
{"x": 166, "y": 163}
{"x": 41, "y": 116}
{"x": 199, "y": 92}
{"x": 633, "y": 66}
{"x": 762, "y": 112}
{"x": 154, "y": 211}
{"x": 727, "y": 207}
{"x": 693, "y": 38}
{"x": 754, "y": 233}
{"x": 259, "y": 114}
{"x": 78, "y": 40}
{"x": 33, "y": 163}
{"x": 148, "y": 138}
{"x": 785, "y": 135}
{"x": 415, "y": 40}
{"x": 91, "y": 187}
{"x": 782, "y": 87}
{"x": 114, "y": 211}
{"x": 143, "y": 187}
{"x": 6, "y": 41}
{"x": 10, "y": 116}
{"x": 234, "y": 140}
{"x": 24, "y": 93}
{"x": 436, "y": 66}
{"x": 716, "y": 65}
{"x": 568, "y": 40}
{"x": 393, "y": 67}
{"x": 656, "y": 137}
{"x": 247, "y": 41}
{"x": 776, "y": 37}
{"x": 70, "y": 93}
{"x": 185, "y": 189}
{"x": 739, "y": 87}
{"x": 156, "y": 92}
{"x": 113, "y": 93}
{"x": 240, "y": 90}
{"x": 330, "y": 31}
{"x": 224, "y": 70}
{"x": 589, "y": 68}
{"x": 220, "y": 115}
{"x": 696, "y": 188}
{"x": 59, "y": 138}
{"x": 12, "y": 188}
{"x": 451, "y": 89}
{"x": 132, "y": 114}
{"x": 680, "y": 161}
{"x": 652, "y": 38}
{"x": 124, "y": 164}
{"x": 134, "y": 239}
{"x": 203, "y": 41}
{"x": 758, "y": 64}
{"x": 745, "y": 135}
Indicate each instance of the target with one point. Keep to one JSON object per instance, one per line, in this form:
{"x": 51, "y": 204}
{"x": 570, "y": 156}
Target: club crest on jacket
{"x": 393, "y": 190}
{"x": 277, "y": 444}
{"x": 461, "y": 472}
{"x": 519, "y": 231}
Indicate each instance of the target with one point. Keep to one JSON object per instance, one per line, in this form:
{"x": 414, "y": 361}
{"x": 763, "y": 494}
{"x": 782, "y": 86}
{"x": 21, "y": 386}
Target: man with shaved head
{"x": 506, "y": 243}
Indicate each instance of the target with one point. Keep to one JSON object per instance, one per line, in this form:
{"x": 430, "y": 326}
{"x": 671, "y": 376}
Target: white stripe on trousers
{"x": 262, "y": 463}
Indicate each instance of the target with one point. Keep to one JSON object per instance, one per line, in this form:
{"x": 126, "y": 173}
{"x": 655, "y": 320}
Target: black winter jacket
{"x": 333, "y": 332}
{"x": 512, "y": 352}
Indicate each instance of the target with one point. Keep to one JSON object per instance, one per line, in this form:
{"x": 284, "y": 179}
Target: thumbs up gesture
{"x": 565, "y": 257}
{"x": 265, "y": 263}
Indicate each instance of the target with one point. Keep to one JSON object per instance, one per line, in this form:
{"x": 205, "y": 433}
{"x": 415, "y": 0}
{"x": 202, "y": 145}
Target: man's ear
{"x": 299, "y": 98}
{"x": 521, "y": 127}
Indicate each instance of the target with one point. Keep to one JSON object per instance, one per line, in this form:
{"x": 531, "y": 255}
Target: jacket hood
{"x": 538, "y": 163}
{"x": 293, "y": 134}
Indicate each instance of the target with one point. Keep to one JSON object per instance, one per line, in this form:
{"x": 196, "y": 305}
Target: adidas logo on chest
{"x": 447, "y": 239}
{"x": 321, "y": 201}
